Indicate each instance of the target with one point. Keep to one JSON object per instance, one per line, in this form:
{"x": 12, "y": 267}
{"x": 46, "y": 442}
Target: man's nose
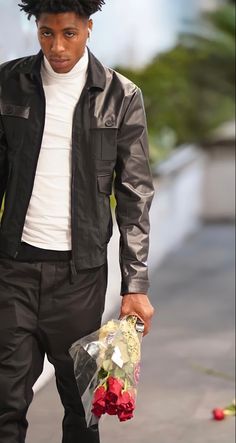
{"x": 57, "y": 45}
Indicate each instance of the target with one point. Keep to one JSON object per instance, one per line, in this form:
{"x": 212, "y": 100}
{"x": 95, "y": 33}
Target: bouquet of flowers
{"x": 107, "y": 367}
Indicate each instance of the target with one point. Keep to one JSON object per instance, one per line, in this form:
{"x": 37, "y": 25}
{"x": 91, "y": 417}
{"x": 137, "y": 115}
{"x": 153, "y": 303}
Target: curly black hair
{"x": 84, "y": 8}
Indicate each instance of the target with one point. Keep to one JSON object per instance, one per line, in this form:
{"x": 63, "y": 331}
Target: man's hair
{"x": 84, "y": 8}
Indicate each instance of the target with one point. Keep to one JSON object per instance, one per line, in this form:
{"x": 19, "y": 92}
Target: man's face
{"x": 63, "y": 38}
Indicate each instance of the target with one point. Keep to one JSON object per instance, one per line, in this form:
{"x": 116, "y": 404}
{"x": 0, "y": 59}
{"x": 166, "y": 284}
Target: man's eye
{"x": 70, "y": 34}
{"x": 46, "y": 34}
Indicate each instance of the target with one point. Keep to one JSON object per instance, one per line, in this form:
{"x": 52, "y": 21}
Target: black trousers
{"x": 42, "y": 311}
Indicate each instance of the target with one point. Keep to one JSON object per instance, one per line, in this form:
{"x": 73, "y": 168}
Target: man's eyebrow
{"x": 68, "y": 28}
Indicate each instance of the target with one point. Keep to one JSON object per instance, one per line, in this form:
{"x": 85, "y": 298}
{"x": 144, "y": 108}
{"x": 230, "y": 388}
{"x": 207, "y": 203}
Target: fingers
{"x": 140, "y": 306}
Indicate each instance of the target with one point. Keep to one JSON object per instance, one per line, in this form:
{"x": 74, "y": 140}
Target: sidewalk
{"x": 192, "y": 335}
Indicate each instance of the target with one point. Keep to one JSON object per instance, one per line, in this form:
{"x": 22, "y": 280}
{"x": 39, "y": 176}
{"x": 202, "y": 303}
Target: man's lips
{"x": 59, "y": 60}
{"x": 59, "y": 64}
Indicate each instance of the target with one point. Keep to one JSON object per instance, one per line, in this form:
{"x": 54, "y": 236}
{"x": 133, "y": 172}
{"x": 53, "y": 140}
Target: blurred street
{"x": 187, "y": 360}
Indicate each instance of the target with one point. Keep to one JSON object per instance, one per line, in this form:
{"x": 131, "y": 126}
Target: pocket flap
{"x": 14, "y": 110}
{"x": 105, "y": 183}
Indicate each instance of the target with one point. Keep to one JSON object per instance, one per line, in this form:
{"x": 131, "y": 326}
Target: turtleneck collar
{"x": 79, "y": 68}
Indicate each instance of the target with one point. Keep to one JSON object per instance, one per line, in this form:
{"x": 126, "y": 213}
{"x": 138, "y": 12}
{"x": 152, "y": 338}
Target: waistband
{"x": 31, "y": 253}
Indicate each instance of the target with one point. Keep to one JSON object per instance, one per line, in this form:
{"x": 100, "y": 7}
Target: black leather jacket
{"x": 109, "y": 141}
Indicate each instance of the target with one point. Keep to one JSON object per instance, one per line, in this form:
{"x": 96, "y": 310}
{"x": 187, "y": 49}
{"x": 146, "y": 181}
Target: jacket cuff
{"x": 135, "y": 286}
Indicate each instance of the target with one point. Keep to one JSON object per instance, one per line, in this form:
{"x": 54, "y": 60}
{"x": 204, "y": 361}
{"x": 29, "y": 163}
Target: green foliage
{"x": 189, "y": 90}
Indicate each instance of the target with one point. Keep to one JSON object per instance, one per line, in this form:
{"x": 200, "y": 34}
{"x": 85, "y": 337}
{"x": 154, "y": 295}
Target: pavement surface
{"x": 187, "y": 359}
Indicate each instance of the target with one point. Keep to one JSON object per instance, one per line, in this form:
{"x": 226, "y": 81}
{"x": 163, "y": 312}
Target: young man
{"x": 68, "y": 126}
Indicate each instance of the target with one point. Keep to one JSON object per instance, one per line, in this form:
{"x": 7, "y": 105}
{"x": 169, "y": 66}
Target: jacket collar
{"x": 96, "y": 71}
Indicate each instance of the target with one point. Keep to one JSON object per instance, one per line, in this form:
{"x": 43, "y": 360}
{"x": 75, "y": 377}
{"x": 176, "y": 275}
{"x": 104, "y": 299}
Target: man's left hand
{"x": 139, "y": 305}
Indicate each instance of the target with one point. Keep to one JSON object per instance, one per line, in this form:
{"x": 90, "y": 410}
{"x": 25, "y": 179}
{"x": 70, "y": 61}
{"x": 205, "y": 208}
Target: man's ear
{"x": 90, "y": 24}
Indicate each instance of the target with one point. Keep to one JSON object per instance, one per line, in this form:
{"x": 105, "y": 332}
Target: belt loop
{"x": 73, "y": 272}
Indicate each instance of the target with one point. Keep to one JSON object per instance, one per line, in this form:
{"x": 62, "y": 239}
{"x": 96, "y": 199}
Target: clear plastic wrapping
{"x": 107, "y": 367}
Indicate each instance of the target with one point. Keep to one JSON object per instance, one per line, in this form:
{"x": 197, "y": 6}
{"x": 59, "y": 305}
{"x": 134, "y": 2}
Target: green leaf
{"x": 119, "y": 373}
{"x": 107, "y": 365}
{"x": 102, "y": 374}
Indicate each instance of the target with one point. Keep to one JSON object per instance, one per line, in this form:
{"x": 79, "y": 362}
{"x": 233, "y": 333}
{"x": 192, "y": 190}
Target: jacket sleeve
{"x": 3, "y": 162}
{"x": 134, "y": 193}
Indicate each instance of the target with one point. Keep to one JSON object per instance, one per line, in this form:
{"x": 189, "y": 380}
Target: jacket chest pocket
{"x": 14, "y": 119}
{"x": 104, "y": 143}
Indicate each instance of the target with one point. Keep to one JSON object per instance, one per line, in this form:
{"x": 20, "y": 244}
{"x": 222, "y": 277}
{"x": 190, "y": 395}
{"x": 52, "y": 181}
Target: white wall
{"x": 219, "y": 184}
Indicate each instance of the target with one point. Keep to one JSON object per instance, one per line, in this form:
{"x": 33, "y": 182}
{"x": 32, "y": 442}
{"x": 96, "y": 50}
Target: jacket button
{"x": 109, "y": 123}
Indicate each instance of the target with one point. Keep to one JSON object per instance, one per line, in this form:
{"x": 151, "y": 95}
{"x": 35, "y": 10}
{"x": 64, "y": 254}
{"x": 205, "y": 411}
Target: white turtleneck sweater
{"x": 48, "y": 219}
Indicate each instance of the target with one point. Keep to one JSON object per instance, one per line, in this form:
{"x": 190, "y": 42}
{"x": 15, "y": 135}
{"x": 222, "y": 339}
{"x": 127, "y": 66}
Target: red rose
{"x": 126, "y": 406}
{"x": 111, "y": 408}
{"x": 126, "y": 401}
{"x": 218, "y": 414}
{"x": 99, "y": 403}
{"x": 99, "y": 394}
{"x": 114, "y": 389}
{"x": 99, "y": 410}
{"x": 124, "y": 416}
